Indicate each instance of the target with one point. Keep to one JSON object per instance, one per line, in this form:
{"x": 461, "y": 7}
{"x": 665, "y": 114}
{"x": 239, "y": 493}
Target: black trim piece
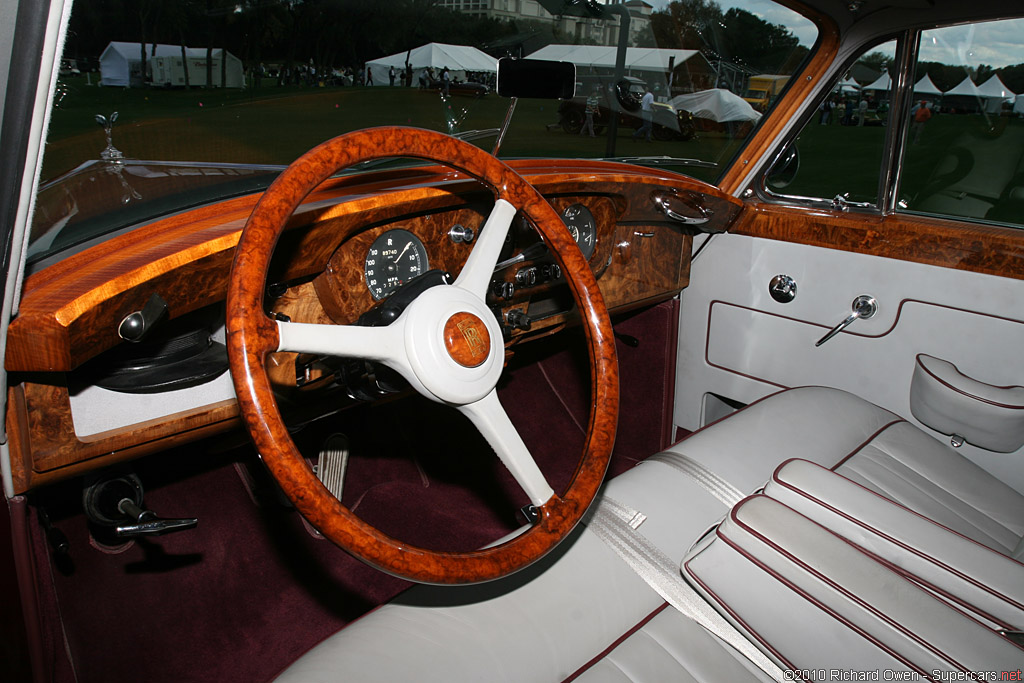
{"x": 19, "y": 102}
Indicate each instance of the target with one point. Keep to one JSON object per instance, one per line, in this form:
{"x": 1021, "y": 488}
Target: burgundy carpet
{"x": 248, "y": 590}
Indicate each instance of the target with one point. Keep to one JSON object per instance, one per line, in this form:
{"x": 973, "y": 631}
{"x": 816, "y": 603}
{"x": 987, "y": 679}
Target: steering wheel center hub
{"x": 466, "y": 339}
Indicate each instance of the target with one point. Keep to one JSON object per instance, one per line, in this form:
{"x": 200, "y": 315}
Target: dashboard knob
{"x": 461, "y": 234}
{"x": 526, "y": 277}
{"x": 518, "y": 320}
{"x": 503, "y": 290}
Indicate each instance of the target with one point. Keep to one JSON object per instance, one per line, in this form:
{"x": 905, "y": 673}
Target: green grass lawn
{"x": 275, "y": 125}
{"x": 848, "y": 159}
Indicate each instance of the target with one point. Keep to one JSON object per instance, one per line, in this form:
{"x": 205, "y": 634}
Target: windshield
{"x": 165, "y": 105}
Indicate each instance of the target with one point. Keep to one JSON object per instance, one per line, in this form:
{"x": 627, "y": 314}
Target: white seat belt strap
{"x": 616, "y": 524}
{"x": 705, "y": 478}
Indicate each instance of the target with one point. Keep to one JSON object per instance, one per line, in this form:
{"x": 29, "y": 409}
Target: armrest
{"x": 952, "y": 403}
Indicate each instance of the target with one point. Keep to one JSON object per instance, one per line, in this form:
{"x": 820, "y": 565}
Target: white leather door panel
{"x": 736, "y": 341}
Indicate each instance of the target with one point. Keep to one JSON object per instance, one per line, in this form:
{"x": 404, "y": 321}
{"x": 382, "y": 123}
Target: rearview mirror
{"x": 536, "y": 78}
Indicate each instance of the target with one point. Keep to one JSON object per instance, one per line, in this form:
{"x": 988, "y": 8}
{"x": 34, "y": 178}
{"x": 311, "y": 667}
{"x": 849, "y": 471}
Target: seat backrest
{"x": 978, "y": 578}
{"x": 816, "y": 601}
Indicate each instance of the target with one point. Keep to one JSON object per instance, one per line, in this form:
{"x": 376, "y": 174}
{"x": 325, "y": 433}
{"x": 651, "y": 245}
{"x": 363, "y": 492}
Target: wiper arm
{"x": 663, "y": 161}
{"x": 470, "y": 135}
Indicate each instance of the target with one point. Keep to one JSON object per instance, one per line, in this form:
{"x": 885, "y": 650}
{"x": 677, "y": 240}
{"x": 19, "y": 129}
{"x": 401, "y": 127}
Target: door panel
{"x": 738, "y": 343}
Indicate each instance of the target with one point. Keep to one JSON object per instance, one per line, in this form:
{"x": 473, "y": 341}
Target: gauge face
{"x": 582, "y": 227}
{"x": 393, "y": 259}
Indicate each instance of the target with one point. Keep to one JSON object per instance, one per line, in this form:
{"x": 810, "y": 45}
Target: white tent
{"x": 717, "y": 104}
{"x": 638, "y": 59}
{"x": 926, "y": 87}
{"x": 995, "y": 92}
{"x": 965, "y": 87}
{"x": 883, "y": 82}
{"x": 458, "y": 58}
{"x": 848, "y": 83}
{"x": 602, "y": 56}
{"x": 121, "y": 65}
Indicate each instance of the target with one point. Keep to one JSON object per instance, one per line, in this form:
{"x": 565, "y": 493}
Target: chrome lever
{"x": 864, "y": 307}
{"x": 146, "y": 523}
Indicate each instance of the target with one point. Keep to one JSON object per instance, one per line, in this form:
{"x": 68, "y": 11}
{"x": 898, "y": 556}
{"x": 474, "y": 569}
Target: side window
{"x": 840, "y": 150}
{"x": 964, "y": 154}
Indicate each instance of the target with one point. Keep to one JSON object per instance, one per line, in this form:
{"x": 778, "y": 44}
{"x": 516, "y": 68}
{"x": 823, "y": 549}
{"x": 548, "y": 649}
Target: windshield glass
{"x": 162, "y": 105}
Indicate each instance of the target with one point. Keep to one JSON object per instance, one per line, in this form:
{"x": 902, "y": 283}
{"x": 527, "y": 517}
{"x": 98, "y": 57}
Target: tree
{"x": 686, "y": 24}
{"x": 876, "y": 61}
{"x": 736, "y": 36}
{"x": 178, "y": 16}
{"x": 145, "y": 8}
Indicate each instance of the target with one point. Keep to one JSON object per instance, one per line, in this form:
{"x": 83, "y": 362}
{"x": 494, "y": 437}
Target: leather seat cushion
{"x": 870, "y": 446}
{"x": 581, "y": 612}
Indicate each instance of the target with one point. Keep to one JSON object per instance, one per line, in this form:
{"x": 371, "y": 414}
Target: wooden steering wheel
{"x": 447, "y": 344}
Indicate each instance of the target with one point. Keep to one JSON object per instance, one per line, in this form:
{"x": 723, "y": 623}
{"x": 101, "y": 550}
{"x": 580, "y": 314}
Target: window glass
{"x": 162, "y": 105}
{"x": 964, "y": 155}
{"x": 840, "y": 149}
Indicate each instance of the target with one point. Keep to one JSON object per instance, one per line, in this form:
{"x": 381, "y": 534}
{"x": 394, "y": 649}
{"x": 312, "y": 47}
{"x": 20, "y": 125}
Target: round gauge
{"x": 582, "y": 227}
{"x": 393, "y": 259}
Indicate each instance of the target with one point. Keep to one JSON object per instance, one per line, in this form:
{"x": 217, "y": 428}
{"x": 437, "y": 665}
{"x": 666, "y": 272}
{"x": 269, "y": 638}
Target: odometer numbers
{"x": 395, "y": 257}
{"x": 582, "y": 226}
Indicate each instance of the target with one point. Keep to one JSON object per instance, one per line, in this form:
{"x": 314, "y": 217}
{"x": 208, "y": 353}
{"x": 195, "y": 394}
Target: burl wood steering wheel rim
{"x": 252, "y": 335}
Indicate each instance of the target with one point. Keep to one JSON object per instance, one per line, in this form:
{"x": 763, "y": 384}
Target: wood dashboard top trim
{"x": 69, "y": 312}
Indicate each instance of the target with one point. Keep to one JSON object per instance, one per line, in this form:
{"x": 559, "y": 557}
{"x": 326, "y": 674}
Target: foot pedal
{"x": 330, "y": 469}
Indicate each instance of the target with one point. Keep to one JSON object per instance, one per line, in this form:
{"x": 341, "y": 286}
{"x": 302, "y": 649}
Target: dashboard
{"x": 82, "y": 397}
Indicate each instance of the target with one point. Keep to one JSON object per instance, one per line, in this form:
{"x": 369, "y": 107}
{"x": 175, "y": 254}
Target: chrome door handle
{"x": 672, "y": 206}
{"x": 864, "y": 306}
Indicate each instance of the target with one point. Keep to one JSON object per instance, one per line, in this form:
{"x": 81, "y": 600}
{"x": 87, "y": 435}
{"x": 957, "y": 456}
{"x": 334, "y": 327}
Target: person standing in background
{"x": 591, "y": 112}
{"x": 647, "y": 114}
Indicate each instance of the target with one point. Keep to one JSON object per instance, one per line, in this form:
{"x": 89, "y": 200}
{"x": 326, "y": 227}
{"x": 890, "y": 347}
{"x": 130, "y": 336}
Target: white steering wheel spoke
{"x": 383, "y": 344}
{"x": 476, "y": 275}
{"x": 491, "y": 420}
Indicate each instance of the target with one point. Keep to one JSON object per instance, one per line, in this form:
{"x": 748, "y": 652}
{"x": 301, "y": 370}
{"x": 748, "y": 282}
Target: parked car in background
{"x": 622, "y": 97}
{"x": 364, "y": 384}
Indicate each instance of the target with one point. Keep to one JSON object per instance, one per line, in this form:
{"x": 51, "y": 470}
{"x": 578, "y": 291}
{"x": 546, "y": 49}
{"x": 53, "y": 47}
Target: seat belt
{"x": 705, "y": 478}
{"x": 616, "y": 524}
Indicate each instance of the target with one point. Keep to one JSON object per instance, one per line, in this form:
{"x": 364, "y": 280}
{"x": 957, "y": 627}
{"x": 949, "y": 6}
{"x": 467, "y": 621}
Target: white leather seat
{"x": 979, "y": 579}
{"x": 818, "y": 602}
{"x": 582, "y": 613}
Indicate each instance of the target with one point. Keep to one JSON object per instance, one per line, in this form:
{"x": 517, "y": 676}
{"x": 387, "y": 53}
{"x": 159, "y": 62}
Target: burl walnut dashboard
{"x": 355, "y": 241}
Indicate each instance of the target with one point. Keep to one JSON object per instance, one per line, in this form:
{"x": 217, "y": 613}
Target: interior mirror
{"x": 536, "y": 78}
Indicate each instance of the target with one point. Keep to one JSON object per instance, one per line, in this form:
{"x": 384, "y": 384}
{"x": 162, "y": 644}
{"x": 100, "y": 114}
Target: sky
{"x": 769, "y": 11}
{"x": 994, "y": 43}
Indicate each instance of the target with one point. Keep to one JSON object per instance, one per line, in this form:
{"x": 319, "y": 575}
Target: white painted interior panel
{"x": 736, "y": 341}
{"x": 95, "y": 410}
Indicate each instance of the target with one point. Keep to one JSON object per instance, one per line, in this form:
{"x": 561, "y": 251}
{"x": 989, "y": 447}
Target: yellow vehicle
{"x": 763, "y": 89}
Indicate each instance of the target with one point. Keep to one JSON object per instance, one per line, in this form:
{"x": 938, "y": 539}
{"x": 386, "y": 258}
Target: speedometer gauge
{"x": 582, "y": 227}
{"x": 393, "y": 259}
